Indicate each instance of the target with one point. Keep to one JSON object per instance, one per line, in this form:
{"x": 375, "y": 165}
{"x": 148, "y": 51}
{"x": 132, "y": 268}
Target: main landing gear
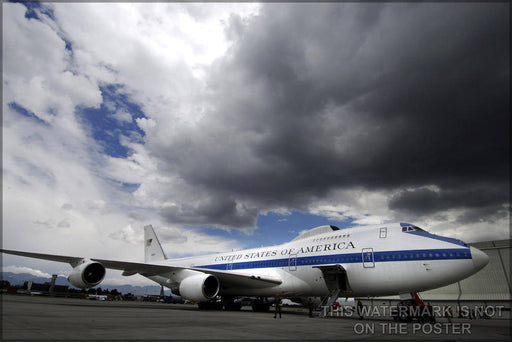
{"x": 218, "y": 303}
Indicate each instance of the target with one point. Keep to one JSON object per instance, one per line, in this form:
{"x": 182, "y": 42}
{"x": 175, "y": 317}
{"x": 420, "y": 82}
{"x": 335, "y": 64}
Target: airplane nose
{"x": 480, "y": 259}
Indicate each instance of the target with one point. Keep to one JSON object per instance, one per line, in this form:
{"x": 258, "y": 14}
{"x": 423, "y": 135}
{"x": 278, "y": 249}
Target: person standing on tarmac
{"x": 277, "y": 303}
{"x": 360, "y": 309}
{"x": 310, "y": 307}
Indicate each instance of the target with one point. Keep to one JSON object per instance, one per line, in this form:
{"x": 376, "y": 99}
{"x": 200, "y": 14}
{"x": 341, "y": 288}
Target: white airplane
{"x": 389, "y": 259}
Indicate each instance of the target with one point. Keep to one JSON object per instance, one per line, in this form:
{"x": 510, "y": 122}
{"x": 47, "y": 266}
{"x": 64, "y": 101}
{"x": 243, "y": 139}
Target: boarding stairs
{"x": 327, "y": 303}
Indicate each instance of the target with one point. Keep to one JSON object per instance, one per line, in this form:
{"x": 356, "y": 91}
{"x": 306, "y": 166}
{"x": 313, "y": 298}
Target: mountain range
{"x": 21, "y": 278}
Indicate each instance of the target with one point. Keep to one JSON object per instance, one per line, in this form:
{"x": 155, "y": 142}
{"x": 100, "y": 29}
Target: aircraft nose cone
{"x": 480, "y": 259}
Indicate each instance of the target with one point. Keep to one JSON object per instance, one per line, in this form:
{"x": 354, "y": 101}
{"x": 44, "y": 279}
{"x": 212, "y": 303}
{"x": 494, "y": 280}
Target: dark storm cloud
{"x": 317, "y": 97}
{"x": 220, "y": 211}
{"x": 482, "y": 201}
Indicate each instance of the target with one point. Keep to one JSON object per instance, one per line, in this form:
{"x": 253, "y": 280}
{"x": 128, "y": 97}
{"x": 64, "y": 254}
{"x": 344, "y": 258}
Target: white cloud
{"x": 446, "y": 224}
{"x": 62, "y": 195}
{"x": 23, "y": 269}
{"x": 133, "y": 169}
{"x": 157, "y": 51}
{"x": 122, "y": 116}
{"x": 362, "y": 206}
{"x": 128, "y": 234}
{"x": 36, "y": 70}
{"x": 177, "y": 241}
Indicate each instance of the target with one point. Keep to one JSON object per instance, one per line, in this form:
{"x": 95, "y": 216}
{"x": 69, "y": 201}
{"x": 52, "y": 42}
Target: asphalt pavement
{"x": 46, "y": 318}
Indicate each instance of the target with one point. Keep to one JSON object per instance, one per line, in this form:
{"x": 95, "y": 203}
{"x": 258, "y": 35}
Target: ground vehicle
{"x": 246, "y": 301}
{"x": 413, "y": 309}
{"x": 288, "y": 302}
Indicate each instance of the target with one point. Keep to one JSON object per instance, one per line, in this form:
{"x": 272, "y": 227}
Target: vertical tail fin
{"x": 152, "y": 249}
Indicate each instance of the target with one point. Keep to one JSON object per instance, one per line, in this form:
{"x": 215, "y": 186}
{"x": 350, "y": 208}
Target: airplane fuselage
{"x": 363, "y": 261}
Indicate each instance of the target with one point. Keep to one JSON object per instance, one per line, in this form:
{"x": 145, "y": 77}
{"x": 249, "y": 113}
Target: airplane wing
{"x": 130, "y": 268}
{"x": 73, "y": 261}
{"x": 229, "y": 278}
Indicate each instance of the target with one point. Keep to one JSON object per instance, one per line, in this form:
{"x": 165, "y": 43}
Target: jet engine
{"x": 88, "y": 274}
{"x": 200, "y": 287}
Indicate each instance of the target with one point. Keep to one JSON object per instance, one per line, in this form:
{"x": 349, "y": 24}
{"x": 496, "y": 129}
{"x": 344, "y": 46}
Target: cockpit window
{"x": 411, "y": 228}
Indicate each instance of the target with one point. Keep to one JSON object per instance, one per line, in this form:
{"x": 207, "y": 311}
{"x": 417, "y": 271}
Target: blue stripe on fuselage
{"x": 349, "y": 258}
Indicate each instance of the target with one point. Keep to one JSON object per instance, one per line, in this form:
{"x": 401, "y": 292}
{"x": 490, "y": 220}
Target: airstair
{"x": 336, "y": 281}
{"x": 328, "y": 302}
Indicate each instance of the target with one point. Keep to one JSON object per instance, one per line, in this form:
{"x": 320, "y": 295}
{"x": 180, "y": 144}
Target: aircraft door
{"x": 336, "y": 278}
{"x": 368, "y": 261}
{"x": 292, "y": 262}
{"x": 383, "y": 233}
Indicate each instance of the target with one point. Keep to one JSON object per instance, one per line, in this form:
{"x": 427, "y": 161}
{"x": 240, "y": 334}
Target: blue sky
{"x": 231, "y": 126}
{"x": 275, "y": 228}
{"x": 289, "y": 226}
{"x": 109, "y": 130}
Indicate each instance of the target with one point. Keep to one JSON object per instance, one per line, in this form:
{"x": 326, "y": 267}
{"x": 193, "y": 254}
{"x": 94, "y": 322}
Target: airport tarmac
{"x": 46, "y": 318}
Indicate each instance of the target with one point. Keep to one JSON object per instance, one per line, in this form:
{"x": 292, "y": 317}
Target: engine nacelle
{"x": 200, "y": 287}
{"x": 87, "y": 274}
